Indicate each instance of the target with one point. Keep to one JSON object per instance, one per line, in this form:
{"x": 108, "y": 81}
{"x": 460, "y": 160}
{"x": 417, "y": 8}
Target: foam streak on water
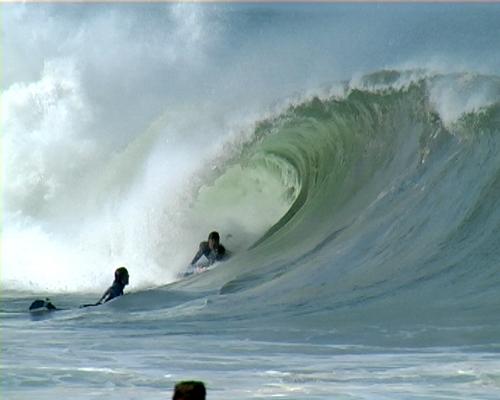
{"x": 233, "y": 367}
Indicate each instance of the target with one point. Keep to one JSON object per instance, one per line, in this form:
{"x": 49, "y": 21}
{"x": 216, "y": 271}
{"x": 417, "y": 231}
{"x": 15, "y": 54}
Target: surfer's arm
{"x": 106, "y": 293}
{"x": 200, "y": 252}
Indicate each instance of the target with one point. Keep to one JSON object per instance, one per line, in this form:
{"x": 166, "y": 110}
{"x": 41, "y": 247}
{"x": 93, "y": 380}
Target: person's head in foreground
{"x": 189, "y": 390}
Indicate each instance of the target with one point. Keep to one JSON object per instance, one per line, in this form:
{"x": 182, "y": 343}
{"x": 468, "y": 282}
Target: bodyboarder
{"x": 212, "y": 249}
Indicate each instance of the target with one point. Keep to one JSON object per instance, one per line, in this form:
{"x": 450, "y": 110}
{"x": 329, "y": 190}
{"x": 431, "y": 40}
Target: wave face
{"x": 395, "y": 214}
{"x": 374, "y": 205}
{"x": 372, "y": 202}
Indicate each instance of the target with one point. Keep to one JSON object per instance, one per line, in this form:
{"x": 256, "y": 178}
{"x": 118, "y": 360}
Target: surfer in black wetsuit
{"x": 116, "y": 289}
{"x": 211, "y": 249}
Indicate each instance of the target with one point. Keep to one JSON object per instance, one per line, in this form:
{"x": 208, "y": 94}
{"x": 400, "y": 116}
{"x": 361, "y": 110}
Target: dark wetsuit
{"x": 214, "y": 255}
{"x": 115, "y": 290}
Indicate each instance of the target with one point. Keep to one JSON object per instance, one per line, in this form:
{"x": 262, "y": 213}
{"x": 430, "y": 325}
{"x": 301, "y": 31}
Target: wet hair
{"x": 215, "y": 236}
{"x": 120, "y": 273}
{"x": 189, "y": 390}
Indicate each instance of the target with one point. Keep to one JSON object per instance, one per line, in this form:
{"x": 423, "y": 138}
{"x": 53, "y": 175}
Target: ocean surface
{"x": 348, "y": 154}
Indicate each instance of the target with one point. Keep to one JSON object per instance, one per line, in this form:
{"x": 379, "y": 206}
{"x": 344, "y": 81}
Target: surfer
{"x": 212, "y": 249}
{"x": 116, "y": 289}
